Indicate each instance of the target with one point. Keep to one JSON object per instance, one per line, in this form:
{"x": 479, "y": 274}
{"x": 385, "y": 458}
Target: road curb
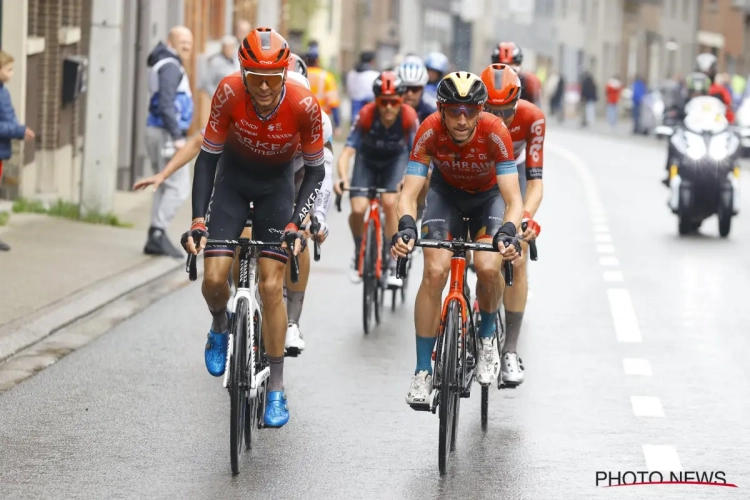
{"x": 26, "y": 331}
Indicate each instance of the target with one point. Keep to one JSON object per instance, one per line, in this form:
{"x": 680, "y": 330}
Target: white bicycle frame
{"x": 256, "y": 379}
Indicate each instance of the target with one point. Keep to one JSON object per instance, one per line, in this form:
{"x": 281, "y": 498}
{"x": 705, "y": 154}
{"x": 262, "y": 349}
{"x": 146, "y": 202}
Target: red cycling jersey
{"x": 527, "y": 131}
{"x": 725, "y": 96}
{"x": 473, "y": 167}
{"x": 268, "y": 141}
{"x": 531, "y": 87}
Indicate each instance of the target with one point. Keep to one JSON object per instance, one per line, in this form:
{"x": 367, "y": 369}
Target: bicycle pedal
{"x": 420, "y": 407}
{"x": 292, "y": 353}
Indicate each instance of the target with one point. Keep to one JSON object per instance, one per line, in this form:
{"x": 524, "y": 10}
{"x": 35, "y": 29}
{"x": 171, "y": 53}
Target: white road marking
{"x": 613, "y": 276}
{"x": 605, "y": 248}
{"x": 601, "y": 228}
{"x": 623, "y": 315}
{"x": 646, "y": 406}
{"x": 603, "y": 238}
{"x": 662, "y": 458}
{"x": 636, "y": 366}
{"x": 609, "y": 261}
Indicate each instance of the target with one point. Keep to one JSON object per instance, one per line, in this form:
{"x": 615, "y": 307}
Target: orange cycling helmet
{"x": 507, "y": 53}
{"x": 503, "y": 84}
{"x": 264, "y": 48}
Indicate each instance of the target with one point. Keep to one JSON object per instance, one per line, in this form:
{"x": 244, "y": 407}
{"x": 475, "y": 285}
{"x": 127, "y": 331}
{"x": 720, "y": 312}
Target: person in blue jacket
{"x": 9, "y": 127}
{"x": 639, "y": 92}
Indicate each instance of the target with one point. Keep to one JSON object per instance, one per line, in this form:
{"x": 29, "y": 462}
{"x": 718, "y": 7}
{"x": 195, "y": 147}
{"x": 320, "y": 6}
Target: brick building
{"x": 725, "y": 32}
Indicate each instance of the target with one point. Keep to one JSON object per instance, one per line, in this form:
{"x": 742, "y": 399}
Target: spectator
{"x": 241, "y": 29}
{"x": 9, "y": 126}
{"x": 614, "y": 89}
{"x": 323, "y": 85}
{"x": 588, "y": 97}
{"x": 639, "y": 92}
{"x": 220, "y": 65}
{"x": 170, "y": 113}
{"x": 556, "y": 99}
{"x": 359, "y": 82}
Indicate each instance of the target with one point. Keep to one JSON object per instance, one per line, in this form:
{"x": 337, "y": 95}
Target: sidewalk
{"x": 53, "y": 259}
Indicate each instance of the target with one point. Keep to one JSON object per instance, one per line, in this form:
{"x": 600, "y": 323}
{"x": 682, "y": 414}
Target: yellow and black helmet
{"x": 461, "y": 87}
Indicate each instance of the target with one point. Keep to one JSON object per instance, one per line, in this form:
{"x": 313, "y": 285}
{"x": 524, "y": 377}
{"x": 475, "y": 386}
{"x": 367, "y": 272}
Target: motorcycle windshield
{"x": 705, "y": 114}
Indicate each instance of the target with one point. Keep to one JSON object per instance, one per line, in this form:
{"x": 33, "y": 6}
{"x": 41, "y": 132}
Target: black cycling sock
{"x": 221, "y": 322}
{"x": 357, "y": 246}
{"x": 276, "y": 379}
{"x": 294, "y": 302}
{"x": 513, "y": 322}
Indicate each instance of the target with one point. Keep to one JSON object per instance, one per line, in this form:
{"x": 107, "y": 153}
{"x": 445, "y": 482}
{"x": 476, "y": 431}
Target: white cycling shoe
{"x": 420, "y": 389}
{"x": 488, "y": 365}
{"x": 392, "y": 281}
{"x": 354, "y": 276}
{"x": 512, "y": 369}
{"x": 294, "y": 343}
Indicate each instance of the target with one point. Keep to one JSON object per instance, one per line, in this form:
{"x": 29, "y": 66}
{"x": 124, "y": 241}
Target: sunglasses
{"x": 415, "y": 89}
{"x": 456, "y": 110}
{"x": 502, "y": 113}
{"x": 273, "y": 80}
{"x": 388, "y": 101}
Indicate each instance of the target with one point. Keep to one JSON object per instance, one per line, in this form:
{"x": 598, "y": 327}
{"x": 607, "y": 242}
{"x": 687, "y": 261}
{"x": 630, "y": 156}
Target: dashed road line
{"x": 613, "y": 276}
{"x": 662, "y": 458}
{"x": 623, "y": 315}
{"x": 646, "y": 406}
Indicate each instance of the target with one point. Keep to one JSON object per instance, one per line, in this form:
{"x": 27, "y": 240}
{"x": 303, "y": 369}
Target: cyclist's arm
{"x": 507, "y": 176}
{"x": 323, "y": 200}
{"x": 416, "y": 175}
{"x": 534, "y": 163}
{"x": 350, "y": 149}
{"x": 183, "y": 156}
{"x": 311, "y": 139}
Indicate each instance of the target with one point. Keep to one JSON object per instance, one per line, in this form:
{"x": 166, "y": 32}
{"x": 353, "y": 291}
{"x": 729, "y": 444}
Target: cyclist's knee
{"x": 270, "y": 287}
{"x": 215, "y": 273}
{"x": 359, "y": 205}
{"x": 436, "y": 274}
{"x": 389, "y": 202}
{"x": 487, "y": 267}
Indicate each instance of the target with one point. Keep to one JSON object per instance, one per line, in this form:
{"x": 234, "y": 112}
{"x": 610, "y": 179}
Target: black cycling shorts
{"x": 271, "y": 192}
{"x": 446, "y": 207}
{"x": 384, "y": 174}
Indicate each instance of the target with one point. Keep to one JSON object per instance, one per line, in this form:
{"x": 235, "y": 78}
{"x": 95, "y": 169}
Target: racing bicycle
{"x": 457, "y": 341}
{"x": 247, "y": 370}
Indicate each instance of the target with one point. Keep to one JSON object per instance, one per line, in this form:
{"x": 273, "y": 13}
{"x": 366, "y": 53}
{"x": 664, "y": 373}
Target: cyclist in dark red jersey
{"x": 475, "y": 176}
{"x": 381, "y": 137}
{"x": 511, "y": 54}
{"x": 256, "y": 126}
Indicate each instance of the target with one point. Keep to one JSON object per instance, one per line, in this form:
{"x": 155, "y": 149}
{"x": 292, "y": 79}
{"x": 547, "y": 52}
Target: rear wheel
{"x": 448, "y": 384}
{"x": 238, "y": 383}
{"x": 368, "y": 277}
{"x": 379, "y": 282}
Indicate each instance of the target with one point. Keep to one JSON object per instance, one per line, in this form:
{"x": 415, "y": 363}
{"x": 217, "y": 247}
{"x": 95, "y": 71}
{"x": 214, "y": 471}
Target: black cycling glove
{"x": 407, "y": 226}
{"x": 506, "y": 234}
{"x": 197, "y": 231}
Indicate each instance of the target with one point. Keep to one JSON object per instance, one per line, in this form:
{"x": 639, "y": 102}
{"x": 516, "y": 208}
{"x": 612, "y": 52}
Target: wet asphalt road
{"x": 134, "y": 414}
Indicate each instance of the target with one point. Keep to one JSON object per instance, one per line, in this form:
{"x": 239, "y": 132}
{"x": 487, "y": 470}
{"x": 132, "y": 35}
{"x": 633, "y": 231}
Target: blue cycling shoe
{"x": 216, "y": 351}
{"x": 277, "y": 411}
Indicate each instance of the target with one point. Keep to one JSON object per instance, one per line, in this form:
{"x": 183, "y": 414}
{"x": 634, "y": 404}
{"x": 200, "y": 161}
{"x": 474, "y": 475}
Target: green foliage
{"x": 4, "y": 216}
{"x": 68, "y": 210}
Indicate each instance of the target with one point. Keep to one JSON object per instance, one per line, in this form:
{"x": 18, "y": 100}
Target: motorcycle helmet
{"x": 697, "y": 84}
{"x": 706, "y": 63}
{"x": 436, "y": 61}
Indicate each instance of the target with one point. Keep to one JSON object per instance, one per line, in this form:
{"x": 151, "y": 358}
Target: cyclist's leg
{"x": 389, "y": 179}
{"x": 361, "y": 177}
{"x": 442, "y": 220}
{"x": 272, "y": 212}
{"x": 295, "y": 292}
{"x": 487, "y": 217}
{"x": 514, "y": 301}
{"x": 226, "y": 217}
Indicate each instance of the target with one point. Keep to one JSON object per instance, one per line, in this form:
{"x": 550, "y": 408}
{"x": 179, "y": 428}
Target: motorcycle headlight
{"x": 695, "y": 146}
{"x": 718, "y": 149}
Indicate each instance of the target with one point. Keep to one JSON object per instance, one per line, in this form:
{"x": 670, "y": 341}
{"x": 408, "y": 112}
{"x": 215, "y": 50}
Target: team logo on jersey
{"x": 496, "y": 139}
{"x": 276, "y": 127}
{"x": 420, "y": 143}
{"x": 222, "y": 95}
{"x": 313, "y": 111}
{"x": 537, "y": 128}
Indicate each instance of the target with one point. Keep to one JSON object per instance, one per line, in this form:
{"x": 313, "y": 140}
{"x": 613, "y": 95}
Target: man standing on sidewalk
{"x": 170, "y": 113}
{"x": 614, "y": 89}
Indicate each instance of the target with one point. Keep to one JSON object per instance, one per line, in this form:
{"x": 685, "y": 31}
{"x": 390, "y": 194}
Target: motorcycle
{"x": 704, "y": 167}
{"x": 742, "y": 117}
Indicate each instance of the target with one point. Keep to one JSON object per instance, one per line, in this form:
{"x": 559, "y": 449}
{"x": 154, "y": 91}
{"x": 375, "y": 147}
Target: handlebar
{"x": 191, "y": 266}
{"x": 532, "y": 245}
{"x": 372, "y": 192}
{"x": 314, "y": 228}
{"x": 455, "y": 245}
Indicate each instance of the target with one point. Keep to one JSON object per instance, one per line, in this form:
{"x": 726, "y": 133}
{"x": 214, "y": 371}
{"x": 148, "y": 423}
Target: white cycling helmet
{"x": 297, "y": 77}
{"x": 436, "y": 61}
{"x": 413, "y": 74}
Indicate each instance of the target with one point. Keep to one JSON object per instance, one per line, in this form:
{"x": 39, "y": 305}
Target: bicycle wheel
{"x": 379, "y": 283}
{"x": 448, "y": 384}
{"x": 238, "y": 383}
{"x": 368, "y": 277}
{"x": 251, "y": 415}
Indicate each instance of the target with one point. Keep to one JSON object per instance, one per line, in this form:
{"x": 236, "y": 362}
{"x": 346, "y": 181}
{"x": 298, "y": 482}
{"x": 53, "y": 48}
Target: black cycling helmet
{"x": 461, "y": 87}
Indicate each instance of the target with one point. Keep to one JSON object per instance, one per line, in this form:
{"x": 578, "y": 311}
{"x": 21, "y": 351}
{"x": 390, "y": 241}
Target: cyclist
{"x": 526, "y": 123}
{"x": 257, "y": 123}
{"x": 437, "y": 66}
{"x": 474, "y": 176}
{"x": 511, "y": 54}
{"x": 414, "y": 75}
{"x": 381, "y": 137}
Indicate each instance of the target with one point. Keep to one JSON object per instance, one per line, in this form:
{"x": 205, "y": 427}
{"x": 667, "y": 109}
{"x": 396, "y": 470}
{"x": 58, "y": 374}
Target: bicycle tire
{"x": 238, "y": 383}
{"x": 448, "y": 385}
{"x": 368, "y": 278}
{"x": 379, "y": 285}
{"x": 499, "y": 343}
{"x": 251, "y": 415}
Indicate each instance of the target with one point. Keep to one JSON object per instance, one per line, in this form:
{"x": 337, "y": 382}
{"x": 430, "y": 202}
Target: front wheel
{"x": 368, "y": 277}
{"x": 725, "y": 215}
{"x": 238, "y": 383}
{"x": 449, "y": 385}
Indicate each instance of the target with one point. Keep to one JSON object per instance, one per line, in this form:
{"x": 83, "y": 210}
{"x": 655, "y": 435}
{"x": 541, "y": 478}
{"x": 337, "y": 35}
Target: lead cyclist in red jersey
{"x": 475, "y": 176}
{"x": 511, "y": 54}
{"x": 256, "y": 125}
{"x": 526, "y": 123}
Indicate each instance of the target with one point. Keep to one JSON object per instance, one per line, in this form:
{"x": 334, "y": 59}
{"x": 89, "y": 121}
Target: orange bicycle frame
{"x": 374, "y": 215}
{"x": 456, "y": 292}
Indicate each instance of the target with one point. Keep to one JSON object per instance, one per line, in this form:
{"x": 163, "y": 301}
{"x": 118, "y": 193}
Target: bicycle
{"x": 457, "y": 342}
{"x": 372, "y": 256}
{"x": 247, "y": 372}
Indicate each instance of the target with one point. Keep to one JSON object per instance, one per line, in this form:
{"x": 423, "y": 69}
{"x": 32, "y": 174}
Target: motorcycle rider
{"x": 706, "y": 63}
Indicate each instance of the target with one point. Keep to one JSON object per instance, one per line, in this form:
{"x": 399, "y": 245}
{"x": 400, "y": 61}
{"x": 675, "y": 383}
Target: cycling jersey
{"x": 527, "y": 132}
{"x": 721, "y": 92}
{"x": 377, "y": 143}
{"x": 261, "y": 145}
{"x": 531, "y": 88}
{"x": 424, "y": 110}
{"x": 473, "y": 167}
